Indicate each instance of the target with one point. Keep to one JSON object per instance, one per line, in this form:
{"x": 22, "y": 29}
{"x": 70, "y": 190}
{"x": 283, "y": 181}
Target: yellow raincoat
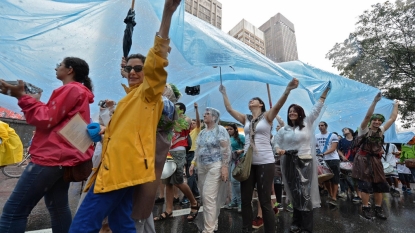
{"x": 128, "y": 148}
{"x": 11, "y": 148}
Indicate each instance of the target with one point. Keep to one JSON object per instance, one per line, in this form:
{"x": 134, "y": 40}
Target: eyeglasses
{"x": 321, "y": 125}
{"x": 136, "y": 68}
{"x": 229, "y": 129}
{"x": 206, "y": 113}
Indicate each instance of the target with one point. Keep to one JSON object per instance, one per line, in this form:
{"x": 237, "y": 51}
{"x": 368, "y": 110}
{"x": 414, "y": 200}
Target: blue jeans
{"x": 117, "y": 205}
{"x": 36, "y": 182}
{"x": 236, "y": 187}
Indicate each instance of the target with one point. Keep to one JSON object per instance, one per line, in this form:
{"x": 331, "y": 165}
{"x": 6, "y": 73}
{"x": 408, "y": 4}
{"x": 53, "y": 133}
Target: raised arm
{"x": 272, "y": 113}
{"x": 197, "y": 116}
{"x": 280, "y": 121}
{"x": 155, "y": 75}
{"x": 393, "y": 116}
{"x": 235, "y": 114}
{"x": 370, "y": 111}
{"x": 315, "y": 111}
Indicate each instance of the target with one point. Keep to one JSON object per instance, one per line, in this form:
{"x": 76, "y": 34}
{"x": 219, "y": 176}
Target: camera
{"x": 28, "y": 87}
{"x": 102, "y": 104}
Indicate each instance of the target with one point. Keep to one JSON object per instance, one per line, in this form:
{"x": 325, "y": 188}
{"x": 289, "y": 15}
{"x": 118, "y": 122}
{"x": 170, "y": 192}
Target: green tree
{"x": 381, "y": 53}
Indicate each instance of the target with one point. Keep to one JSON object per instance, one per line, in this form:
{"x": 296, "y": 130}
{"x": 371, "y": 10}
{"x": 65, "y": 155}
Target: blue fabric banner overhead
{"x": 36, "y": 36}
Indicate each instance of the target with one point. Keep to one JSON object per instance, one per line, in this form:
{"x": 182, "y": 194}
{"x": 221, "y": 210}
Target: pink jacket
{"x": 48, "y": 147}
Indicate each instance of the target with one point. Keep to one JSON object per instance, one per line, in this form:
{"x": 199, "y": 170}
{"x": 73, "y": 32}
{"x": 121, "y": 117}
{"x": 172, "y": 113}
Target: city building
{"x": 207, "y": 10}
{"x": 279, "y": 37}
{"x": 250, "y": 35}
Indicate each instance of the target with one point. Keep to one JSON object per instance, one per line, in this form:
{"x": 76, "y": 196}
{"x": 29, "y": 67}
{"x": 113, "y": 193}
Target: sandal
{"x": 192, "y": 215}
{"x": 166, "y": 216}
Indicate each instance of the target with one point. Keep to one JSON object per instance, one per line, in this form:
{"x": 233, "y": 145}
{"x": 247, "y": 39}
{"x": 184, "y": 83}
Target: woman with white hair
{"x": 212, "y": 158}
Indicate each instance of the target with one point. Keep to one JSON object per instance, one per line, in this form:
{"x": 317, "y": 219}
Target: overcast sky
{"x": 319, "y": 24}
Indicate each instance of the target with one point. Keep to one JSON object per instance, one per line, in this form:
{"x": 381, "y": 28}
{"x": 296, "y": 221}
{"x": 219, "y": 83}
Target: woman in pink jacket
{"x": 50, "y": 152}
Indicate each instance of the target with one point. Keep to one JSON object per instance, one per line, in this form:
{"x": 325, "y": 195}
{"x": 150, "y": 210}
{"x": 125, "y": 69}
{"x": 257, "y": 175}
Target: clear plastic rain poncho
{"x": 213, "y": 146}
{"x": 299, "y": 170}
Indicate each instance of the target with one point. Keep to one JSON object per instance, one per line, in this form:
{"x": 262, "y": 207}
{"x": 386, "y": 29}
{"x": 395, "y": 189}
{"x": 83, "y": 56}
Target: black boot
{"x": 379, "y": 213}
{"x": 366, "y": 213}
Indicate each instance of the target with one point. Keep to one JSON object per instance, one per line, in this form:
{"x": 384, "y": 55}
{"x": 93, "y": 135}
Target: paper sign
{"x": 76, "y": 133}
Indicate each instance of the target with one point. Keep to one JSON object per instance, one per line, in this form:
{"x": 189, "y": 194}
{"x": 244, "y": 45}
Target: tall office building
{"x": 250, "y": 35}
{"x": 207, "y": 10}
{"x": 280, "y": 42}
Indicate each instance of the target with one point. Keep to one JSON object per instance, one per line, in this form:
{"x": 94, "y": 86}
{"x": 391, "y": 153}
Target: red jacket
{"x": 48, "y": 147}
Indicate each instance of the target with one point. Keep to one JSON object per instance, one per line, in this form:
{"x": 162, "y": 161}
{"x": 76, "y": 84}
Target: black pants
{"x": 303, "y": 220}
{"x": 278, "y": 189}
{"x": 191, "y": 180}
{"x": 262, "y": 177}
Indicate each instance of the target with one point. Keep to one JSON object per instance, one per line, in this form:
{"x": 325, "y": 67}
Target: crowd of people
{"x": 149, "y": 124}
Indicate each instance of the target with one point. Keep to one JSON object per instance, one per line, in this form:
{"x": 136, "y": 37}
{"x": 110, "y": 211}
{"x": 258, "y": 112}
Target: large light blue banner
{"x": 36, "y": 35}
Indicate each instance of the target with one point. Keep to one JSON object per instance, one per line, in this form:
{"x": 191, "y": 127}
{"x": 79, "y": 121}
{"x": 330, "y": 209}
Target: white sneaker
{"x": 342, "y": 195}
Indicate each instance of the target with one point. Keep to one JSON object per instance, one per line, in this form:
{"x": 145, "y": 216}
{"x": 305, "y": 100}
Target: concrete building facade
{"x": 250, "y": 35}
{"x": 207, "y": 10}
{"x": 280, "y": 41}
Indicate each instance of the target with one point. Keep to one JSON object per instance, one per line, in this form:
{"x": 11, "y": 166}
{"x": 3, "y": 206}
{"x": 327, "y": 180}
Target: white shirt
{"x": 321, "y": 142}
{"x": 402, "y": 168}
{"x": 292, "y": 138}
{"x": 263, "y": 153}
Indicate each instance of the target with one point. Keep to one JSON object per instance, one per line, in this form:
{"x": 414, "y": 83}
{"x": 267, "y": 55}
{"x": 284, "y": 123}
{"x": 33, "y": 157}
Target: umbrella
{"x": 128, "y": 32}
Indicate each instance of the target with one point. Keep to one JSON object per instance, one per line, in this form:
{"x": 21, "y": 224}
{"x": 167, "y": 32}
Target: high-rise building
{"x": 280, "y": 42}
{"x": 250, "y": 35}
{"x": 207, "y": 10}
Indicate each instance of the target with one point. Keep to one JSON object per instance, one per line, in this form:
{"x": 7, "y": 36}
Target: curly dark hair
{"x": 81, "y": 70}
{"x": 301, "y": 115}
{"x": 137, "y": 56}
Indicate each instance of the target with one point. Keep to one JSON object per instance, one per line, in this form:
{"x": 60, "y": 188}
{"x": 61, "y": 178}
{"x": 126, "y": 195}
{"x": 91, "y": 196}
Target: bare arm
{"x": 197, "y": 116}
{"x": 332, "y": 148}
{"x": 170, "y": 7}
{"x": 280, "y": 121}
{"x": 235, "y": 114}
{"x": 272, "y": 113}
{"x": 370, "y": 111}
{"x": 393, "y": 117}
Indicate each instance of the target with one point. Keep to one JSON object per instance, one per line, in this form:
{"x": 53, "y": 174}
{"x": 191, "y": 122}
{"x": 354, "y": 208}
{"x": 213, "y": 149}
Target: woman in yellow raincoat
{"x": 11, "y": 148}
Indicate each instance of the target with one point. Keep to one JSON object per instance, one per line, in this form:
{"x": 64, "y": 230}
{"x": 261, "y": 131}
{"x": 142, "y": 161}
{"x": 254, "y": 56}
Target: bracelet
{"x": 323, "y": 97}
{"x": 193, "y": 162}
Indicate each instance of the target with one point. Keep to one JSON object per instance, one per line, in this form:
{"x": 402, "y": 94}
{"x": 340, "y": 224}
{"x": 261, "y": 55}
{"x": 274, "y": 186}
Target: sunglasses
{"x": 136, "y": 68}
{"x": 58, "y": 65}
{"x": 321, "y": 125}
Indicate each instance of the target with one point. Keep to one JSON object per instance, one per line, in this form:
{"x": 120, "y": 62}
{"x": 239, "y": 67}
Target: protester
{"x": 404, "y": 176}
{"x": 367, "y": 167}
{"x": 327, "y": 146}
{"x": 408, "y": 152}
{"x": 212, "y": 158}
{"x": 237, "y": 143}
{"x": 43, "y": 176}
{"x": 11, "y": 147}
{"x": 194, "y": 132}
{"x": 258, "y": 139}
{"x": 130, "y": 140}
{"x": 178, "y": 153}
{"x": 389, "y": 160}
{"x": 344, "y": 151}
{"x": 296, "y": 144}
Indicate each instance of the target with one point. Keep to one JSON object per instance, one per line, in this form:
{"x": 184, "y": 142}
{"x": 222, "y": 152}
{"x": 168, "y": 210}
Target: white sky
{"x": 318, "y": 24}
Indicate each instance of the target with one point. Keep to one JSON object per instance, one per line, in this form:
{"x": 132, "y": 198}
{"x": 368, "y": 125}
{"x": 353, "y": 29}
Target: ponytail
{"x": 81, "y": 70}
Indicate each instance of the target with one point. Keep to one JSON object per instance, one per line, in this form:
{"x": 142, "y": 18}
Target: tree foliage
{"x": 381, "y": 53}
